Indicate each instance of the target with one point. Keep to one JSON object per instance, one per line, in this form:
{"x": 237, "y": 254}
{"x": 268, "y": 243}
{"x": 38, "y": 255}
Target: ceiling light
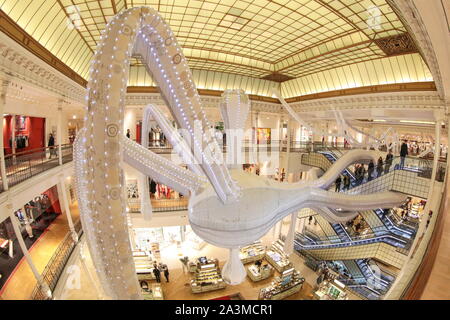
{"x": 379, "y": 120}
{"x": 74, "y": 117}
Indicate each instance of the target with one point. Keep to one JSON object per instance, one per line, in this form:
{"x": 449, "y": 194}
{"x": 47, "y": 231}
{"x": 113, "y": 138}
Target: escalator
{"x": 319, "y": 243}
{"x": 399, "y": 230}
{"x": 387, "y": 248}
{"x": 340, "y": 231}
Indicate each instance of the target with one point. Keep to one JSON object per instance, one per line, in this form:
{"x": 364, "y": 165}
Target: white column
{"x": 289, "y": 242}
{"x": 13, "y": 136}
{"x": 301, "y": 225}
{"x": 62, "y": 194}
{"x": 24, "y": 249}
{"x": 437, "y": 151}
{"x": 233, "y": 272}
{"x": 5, "y": 84}
{"x": 59, "y": 131}
{"x": 288, "y": 148}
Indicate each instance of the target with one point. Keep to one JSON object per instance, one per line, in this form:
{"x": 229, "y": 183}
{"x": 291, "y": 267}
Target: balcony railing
{"x": 52, "y": 272}
{"x": 22, "y": 166}
{"x": 162, "y": 205}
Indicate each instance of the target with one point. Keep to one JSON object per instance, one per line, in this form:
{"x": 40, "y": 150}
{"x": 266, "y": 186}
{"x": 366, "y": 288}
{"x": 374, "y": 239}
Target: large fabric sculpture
{"x": 227, "y": 208}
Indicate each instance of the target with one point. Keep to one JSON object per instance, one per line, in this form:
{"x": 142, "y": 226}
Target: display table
{"x": 144, "y": 267}
{"x": 277, "y": 258}
{"x": 265, "y": 272}
{"x": 194, "y": 266}
{"x": 207, "y": 278}
{"x": 289, "y": 283}
{"x": 153, "y": 293}
{"x": 331, "y": 290}
{"x": 145, "y": 273}
{"x": 252, "y": 253}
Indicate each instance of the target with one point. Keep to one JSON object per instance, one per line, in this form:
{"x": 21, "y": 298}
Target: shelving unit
{"x": 252, "y": 253}
{"x": 277, "y": 258}
{"x": 144, "y": 265}
{"x": 265, "y": 272}
{"x": 289, "y": 283}
{"x": 154, "y": 292}
{"x": 333, "y": 290}
{"x": 207, "y": 278}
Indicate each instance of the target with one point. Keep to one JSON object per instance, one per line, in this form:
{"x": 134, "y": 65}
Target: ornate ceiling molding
{"x": 397, "y": 100}
{"x": 408, "y": 13}
{"x": 19, "y": 65}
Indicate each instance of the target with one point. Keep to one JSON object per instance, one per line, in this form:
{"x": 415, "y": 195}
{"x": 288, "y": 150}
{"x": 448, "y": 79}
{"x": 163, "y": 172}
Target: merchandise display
{"x": 256, "y": 273}
{"x": 253, "y": 252}
{"x": 416, "y": 210}
{"x": 152, "y": 292}
{"x": 277, "y": 258}
{"x": 144, "y": 265}
{"x": 331, "y": 290}
{"x": 207, "y": 277}
{"x": 287, "y": 284}
{"x": 194, "y": 266}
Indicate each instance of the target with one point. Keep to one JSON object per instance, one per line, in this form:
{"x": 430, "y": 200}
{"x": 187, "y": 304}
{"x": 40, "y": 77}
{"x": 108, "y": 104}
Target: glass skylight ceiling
{"x": 251, "y": 38}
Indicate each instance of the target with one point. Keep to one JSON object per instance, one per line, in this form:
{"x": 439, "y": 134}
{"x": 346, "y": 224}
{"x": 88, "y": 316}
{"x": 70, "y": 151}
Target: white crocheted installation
{"x": 227, "y": 208}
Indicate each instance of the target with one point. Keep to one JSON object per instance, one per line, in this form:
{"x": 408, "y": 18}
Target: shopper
{"x": 166, "y": 273}
{"x": 258, "y": 264}
{"x": 388, "y": 162}
{"x": 346, "y": 182}
{"x": 362, "y": 173}
{"x": 370, "y": 170}
{"x": 157, "y": 273}
{"x": 51, "y": 145}
{"x": 128, "y": 134}
{"x": 338, "y": 183}
{"x": 379, "y": 166}
{"x": 430, "y": 215}
{"x": 310, "y": 219}
{"x": 403, "y": 153}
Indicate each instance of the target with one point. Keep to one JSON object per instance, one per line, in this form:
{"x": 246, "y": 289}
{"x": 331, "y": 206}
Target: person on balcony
{"x": 338, "y": 184}
{"x": 370, "y": 170}
{"x": 403, "y": 153}
{"x": 346, "y": 182}
{"x": 379, "y": 166}
{"x": 51, "y": 145}
{"x": 388, "y": 162}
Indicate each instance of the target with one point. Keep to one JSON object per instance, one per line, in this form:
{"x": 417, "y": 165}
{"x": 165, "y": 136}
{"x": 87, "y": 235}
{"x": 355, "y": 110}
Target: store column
{"x": 288, "y": 147}
{"x": 44, "y": 286}
{"x": 5, "y": 84}
{"x": 59, "y": 131}
{"x": 437, "y": 152}
{"x": 62, "y": 194}
{"x": 289, "y": 241}
{"x": 13, "y": 137}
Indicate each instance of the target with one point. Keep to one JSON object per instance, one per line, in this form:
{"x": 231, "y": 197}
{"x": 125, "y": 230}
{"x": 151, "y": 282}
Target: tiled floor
{"x": 22, "y": 281}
